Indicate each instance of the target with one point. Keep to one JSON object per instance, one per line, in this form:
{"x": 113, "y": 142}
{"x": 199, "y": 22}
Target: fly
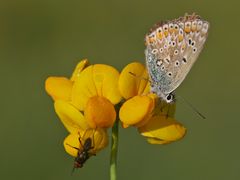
{"x": 83, "y": 154}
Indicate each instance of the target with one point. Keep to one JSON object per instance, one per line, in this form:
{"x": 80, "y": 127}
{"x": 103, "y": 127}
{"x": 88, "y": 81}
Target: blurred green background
{"x": 48, "y": 37}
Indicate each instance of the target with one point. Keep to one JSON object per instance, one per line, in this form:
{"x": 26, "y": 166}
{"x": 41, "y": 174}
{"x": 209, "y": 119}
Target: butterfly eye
{"x": 176, "y": 26}
{"x": 169, "y": 74}
{"x": 161, "y": 50}
{"x": 170, "y": 98}
{"x": 171, "y": 25}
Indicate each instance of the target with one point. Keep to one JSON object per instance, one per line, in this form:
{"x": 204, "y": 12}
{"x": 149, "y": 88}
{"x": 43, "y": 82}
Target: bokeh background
{"x": 40, "y": 38}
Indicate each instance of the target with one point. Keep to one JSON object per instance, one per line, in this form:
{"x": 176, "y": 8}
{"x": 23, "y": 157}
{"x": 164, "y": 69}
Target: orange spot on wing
{"x": 165, "y": 33}
{"x": 180, "y": 38}
{"x": 187, "y": 29}
{"x": 160, "y": 35}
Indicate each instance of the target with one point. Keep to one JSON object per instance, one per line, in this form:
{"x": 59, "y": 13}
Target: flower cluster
{"x": 86, "y": 105}
{"x": 153, "y": 118}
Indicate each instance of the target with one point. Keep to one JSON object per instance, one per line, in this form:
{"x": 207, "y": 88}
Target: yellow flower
{"x": 95, "y": 92}
{"x": 144, "y": 110}
{"x": 85, "y": 103}
{"x": 92, "y": 90}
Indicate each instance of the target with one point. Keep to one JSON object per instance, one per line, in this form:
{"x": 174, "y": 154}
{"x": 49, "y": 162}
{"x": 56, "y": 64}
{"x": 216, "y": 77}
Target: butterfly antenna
{"x": 192, "y": 107}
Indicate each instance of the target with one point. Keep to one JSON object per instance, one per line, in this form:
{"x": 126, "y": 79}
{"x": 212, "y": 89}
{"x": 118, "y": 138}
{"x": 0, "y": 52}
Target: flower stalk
{"x": 114, "y": 150}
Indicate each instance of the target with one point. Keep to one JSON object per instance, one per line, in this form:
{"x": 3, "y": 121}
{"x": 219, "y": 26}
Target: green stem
{"x": 114, "y": 149}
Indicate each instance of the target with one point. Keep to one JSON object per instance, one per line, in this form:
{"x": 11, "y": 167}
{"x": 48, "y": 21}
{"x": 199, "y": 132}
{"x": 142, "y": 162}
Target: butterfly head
{"x": 170, "y": 98}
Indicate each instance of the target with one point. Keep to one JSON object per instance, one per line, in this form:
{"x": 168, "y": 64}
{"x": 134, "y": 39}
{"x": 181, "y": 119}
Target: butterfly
{"x": 172, "y": 47}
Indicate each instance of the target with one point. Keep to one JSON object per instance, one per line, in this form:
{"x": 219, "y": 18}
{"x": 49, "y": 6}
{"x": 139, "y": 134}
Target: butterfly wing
{"x": 158, "y": 77}
{"x": 190, "y": 48}
{"x": 172, "y": 49}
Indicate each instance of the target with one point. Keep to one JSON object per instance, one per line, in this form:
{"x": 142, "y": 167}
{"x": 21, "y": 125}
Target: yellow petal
{"x": 106, "y": 81}
{"x": 144, "y": 85}
{"x": 146, "y": 90}
{"x": 154, "y": 97}
{"x": 83, "y": 88}
{"x": 96, "y": 80}
{"x": 71, "y": 118}
{"x": 58, "y": 88}
{"x": 133, "y": 80}
{"x": 136, "y": 110}
{"x": 125, "y": 125}
{"x": 80, "y": 66}
{"x": 162, "y": 130}
{"x": 100, "y": 112}
{"x": 99, "y": 140}
{"x": 157, "y": 141}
